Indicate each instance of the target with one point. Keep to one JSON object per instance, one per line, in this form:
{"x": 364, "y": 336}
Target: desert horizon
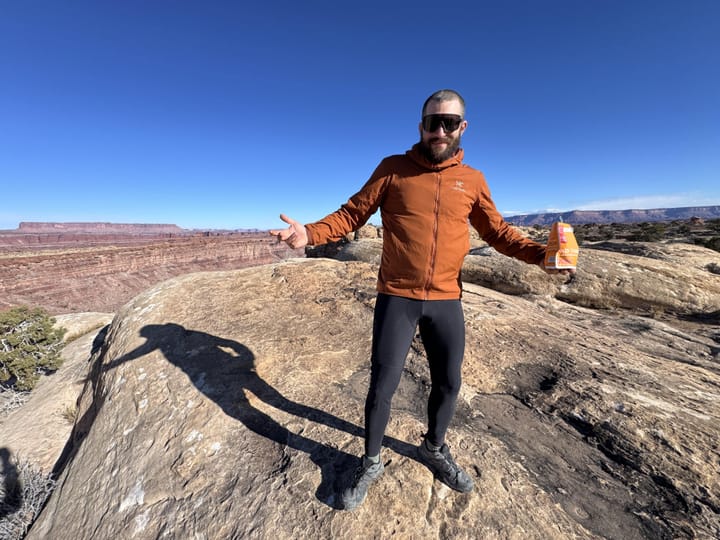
{"x": 575, "y": 217}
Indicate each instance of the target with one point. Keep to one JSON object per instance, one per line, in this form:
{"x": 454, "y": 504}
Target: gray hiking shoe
{"x": 365, "y": 475}
{"x": 443, "y": 466}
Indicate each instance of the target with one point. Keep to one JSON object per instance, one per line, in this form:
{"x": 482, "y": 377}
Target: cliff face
{"x": 103, "y": 278}
{"x": 41, "y": 235}
{"x": 229, "y": 405}
{"x": 13, "y": 242}
{"x": 98, "y": 227}
{"x": 577, "y": 217}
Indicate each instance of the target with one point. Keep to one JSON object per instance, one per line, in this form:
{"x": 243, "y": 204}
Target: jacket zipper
{"x": 433, "y": 247}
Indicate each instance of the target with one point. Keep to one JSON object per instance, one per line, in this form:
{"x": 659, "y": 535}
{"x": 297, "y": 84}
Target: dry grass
{"x": 70, "y": 413}
{"x": 11, "y": 399}
{"x": 23, "y": 492}
{"x": 69, "y": 338}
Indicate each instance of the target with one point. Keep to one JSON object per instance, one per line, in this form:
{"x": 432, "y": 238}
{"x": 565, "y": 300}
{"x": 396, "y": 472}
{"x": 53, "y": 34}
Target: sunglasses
{"x": 449, "y": 122}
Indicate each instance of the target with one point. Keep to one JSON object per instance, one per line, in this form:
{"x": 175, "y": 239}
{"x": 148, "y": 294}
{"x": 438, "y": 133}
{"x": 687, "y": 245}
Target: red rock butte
{"x": 99, "y": 227}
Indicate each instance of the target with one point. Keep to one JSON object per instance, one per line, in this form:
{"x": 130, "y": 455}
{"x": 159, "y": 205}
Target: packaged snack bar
{"x": 562, "y": 248}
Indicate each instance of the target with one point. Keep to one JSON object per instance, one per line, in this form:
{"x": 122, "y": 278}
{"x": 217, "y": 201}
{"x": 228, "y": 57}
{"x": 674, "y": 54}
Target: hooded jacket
{"x": 425, "y": 210}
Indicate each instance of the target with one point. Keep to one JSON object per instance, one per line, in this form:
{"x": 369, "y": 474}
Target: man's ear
{"x": 463, "y": 126}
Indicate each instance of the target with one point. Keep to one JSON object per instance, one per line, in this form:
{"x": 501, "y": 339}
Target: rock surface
{"x": 44, "y": 235}
{"x": 671, "y": 277}
{"x": 649, "y": 278}
{"x": 93, "y": 227}
{"x": 229, "y": 404}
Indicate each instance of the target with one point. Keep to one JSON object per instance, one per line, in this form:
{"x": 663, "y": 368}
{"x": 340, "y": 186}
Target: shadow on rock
{"x": 11, "y": 498}
{"x": 224, "y": 370}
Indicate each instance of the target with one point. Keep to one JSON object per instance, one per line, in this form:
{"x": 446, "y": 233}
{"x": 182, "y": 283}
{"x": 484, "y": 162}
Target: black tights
{"x": 442, "y": 330}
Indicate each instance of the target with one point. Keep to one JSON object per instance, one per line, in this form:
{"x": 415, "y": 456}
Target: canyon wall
{"x": 577, "y": 217}
{"x": 126, "y": 228}
{"x": 103, "y": 277}
{"x": 47, "y": 235}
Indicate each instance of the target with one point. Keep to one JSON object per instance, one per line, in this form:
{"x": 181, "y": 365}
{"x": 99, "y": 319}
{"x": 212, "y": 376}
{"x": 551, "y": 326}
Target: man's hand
{"x": 570, "y": 272}
{"x": 294, "y": 236}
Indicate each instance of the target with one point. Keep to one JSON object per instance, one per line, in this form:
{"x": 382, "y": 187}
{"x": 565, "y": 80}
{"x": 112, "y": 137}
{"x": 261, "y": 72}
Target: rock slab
{"x": 229, "y": 405}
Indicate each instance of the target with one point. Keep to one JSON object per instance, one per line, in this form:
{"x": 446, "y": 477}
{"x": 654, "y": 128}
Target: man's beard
{"x": 436, "y": 156}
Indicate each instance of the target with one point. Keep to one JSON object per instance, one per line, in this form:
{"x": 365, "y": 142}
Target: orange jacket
{"x": 425, "y": 210}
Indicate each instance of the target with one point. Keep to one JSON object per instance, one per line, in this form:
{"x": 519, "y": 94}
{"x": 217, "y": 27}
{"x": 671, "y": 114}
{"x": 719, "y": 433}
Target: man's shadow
{"x": 12, "y": 497}
{"x": 224, "y": 370}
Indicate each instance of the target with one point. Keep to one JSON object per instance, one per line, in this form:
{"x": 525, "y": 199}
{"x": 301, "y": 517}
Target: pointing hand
{"x": 294, "y": 236}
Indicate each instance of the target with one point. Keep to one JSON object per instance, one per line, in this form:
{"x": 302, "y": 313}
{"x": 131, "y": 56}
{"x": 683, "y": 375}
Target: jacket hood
{"x": 417, "y": 156}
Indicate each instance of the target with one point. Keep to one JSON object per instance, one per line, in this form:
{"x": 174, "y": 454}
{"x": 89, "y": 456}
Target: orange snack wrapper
{"x": 562, "y": 247}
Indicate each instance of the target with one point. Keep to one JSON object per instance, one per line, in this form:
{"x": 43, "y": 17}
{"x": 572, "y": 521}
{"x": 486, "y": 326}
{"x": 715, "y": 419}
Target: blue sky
{"x": 222, "y": 114}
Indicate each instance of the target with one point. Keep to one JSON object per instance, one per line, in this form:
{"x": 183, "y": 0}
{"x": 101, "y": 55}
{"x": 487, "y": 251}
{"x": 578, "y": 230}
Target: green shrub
{"x": 710, "y": 243}
{"x": 606, "y": 232}
{"x": 649, "y": 232}
{"x": 29, "y": 346}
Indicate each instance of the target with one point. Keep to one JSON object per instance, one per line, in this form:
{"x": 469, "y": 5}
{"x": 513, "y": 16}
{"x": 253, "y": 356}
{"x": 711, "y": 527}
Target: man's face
{"x": 439, "y": 145}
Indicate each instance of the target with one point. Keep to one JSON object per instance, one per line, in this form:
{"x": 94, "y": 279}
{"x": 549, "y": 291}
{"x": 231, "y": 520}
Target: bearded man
{"x": 426, "y": 198}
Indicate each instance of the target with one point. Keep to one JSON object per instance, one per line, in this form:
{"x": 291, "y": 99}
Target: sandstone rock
{"x": 103, "y": 278}
{"x": 78, "y": 325}
{"x": 38, "y": 431}
{"x": 368, "y": 231}
{"x": 367, "y": 250}
{"x": 229, "y": 404}
{"x": 485, "y": 266}
{"x": 94, "y": 227}
{"x": 40, "y": 235}
{"x": 671, "y": 277}
{"x": 648, "y": 277}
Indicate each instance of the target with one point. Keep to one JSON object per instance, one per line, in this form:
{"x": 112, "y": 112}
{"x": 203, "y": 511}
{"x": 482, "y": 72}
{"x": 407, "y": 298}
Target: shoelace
{"x": 448, "y": 462}
{"x": 360, "y": 472}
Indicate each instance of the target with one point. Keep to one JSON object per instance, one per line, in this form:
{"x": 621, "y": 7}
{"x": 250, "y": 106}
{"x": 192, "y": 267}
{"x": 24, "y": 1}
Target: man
{"x": 426, "y": 198}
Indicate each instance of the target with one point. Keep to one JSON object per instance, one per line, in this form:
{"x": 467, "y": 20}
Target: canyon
{"x": 68, "y": 268}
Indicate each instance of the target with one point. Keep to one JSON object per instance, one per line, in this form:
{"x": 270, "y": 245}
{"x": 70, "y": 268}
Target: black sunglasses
{"x": 449, "y": 122}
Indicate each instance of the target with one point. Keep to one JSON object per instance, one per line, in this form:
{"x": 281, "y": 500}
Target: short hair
{"x": 444, "y": 95}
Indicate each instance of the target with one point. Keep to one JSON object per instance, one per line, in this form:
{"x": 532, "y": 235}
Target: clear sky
{"x": 222, "y": 114}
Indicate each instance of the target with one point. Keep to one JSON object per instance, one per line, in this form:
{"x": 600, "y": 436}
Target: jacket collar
{"x": 416, "y": 155}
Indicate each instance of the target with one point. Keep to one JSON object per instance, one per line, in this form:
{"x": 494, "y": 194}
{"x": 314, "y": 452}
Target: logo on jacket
{"x": 459, "y": 186}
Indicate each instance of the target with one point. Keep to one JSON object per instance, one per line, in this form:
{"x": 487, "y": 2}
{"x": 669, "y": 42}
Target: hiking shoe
{"x": 365, "y": 475}
{"x": 443, "y": 466}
